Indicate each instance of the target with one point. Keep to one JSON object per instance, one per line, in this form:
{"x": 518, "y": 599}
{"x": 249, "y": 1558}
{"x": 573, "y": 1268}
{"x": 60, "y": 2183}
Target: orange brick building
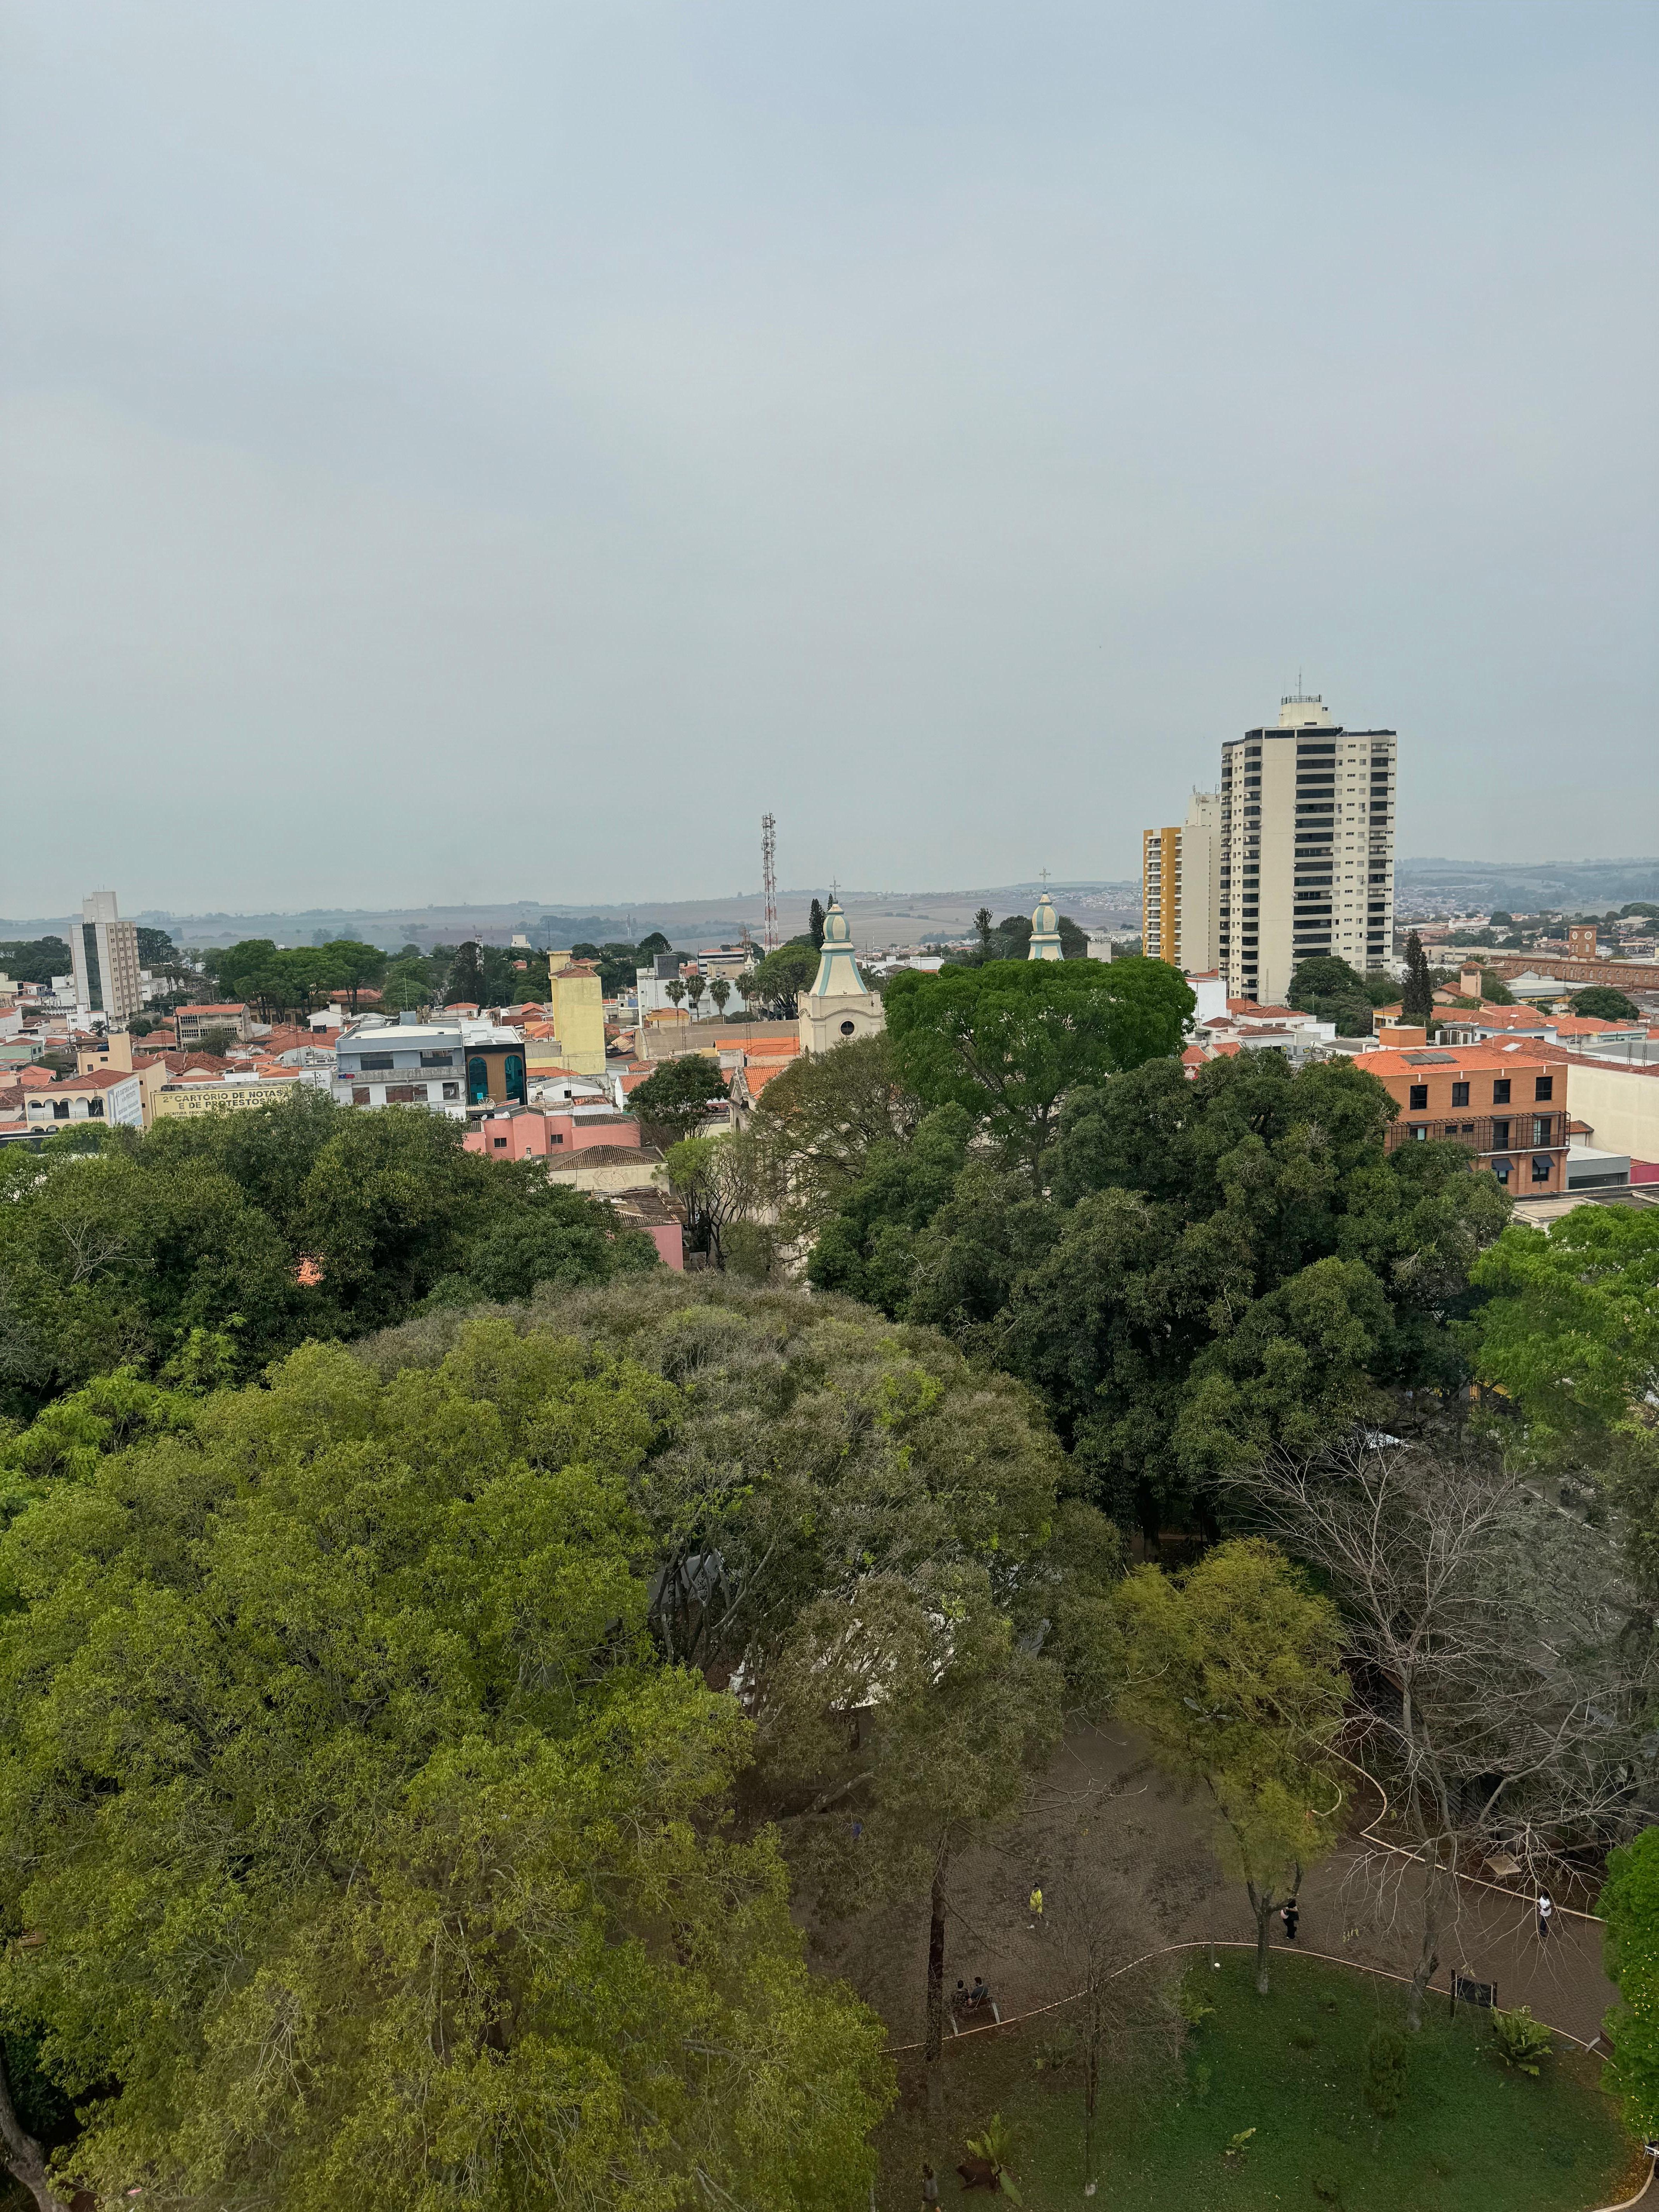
{"x": 1507, "y": 1103}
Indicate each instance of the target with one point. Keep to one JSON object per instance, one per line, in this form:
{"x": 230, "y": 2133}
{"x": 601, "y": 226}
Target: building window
{"x": 1541, "y": 1129}
{"x": 515, "y": 1078}
{"x": 374, "y": 1059}
{"x": 1501, "y": 1169}
{"x": 1420, "y": 1134}
{"x": 1500, "y": 1136}
{"x": 60, "y": 1109}
{"x": 437, "y": 1060}
{"x": 1540, "y": 1167}
{"x": 1460, "y": 1094}
{"x": 360, "y": 1096}
{"x": 1544, "y": 1087}
{"x": 96, "y": 1106}
{"x": 452, "y": 1090}
{"x": 1500, "y": 1092}
{"x": 477, "y": 1082}
{"x": 500, "y": 1143}
{"x": 405, "y": 1094}
{"x": 1419, "y": 1098}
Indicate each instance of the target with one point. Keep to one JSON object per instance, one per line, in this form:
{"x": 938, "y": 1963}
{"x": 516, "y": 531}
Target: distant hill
{"x": 1523, "y": 885}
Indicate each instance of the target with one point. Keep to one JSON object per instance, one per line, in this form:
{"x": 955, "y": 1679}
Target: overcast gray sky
{"x": 498, "y": 449}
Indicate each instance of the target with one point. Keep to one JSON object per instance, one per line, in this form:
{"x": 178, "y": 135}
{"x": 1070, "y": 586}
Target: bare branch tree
{"x": 1496, "y": 1647}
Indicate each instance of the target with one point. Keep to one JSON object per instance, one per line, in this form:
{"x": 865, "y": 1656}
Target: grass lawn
{"x": 1470, "y": 2136}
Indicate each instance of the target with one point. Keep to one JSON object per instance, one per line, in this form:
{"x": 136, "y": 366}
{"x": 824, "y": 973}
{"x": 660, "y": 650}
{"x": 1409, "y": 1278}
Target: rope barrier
{"x": 1195, "y": 1943}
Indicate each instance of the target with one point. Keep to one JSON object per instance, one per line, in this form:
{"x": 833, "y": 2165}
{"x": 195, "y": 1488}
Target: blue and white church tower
{"x": 1045, "y": 932}
{"x": 839, "y": 1006}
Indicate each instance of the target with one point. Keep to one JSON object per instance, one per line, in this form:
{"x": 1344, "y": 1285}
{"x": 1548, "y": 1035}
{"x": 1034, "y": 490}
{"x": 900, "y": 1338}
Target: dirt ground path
{"x": 1122, "y": 1856}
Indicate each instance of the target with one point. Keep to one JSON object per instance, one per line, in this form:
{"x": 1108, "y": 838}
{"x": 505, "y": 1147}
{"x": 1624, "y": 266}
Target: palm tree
{"x": 677, "y": 990}
{"x": 694, "y": 987}
{"x": 720, "y": 991}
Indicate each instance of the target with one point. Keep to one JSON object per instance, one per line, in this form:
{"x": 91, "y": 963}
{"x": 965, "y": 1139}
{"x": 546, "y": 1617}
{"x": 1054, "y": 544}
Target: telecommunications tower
{"x": 769, "y": 880}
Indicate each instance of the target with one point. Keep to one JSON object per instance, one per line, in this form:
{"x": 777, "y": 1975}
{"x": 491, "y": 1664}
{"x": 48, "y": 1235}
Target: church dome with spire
{"x": 838, "y": 975}
{"x": 1045, "y": 932}
{"x": 841, "y": 1005}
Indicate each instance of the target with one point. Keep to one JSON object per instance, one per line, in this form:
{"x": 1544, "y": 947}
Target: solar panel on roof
{"x": 1432, "y": 1059}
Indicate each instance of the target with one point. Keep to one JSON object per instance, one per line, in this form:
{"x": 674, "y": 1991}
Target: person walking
{"x": 1290, "y": 1912}
{"x": 929, "y": 2184}
{"x": 1546, "y": 1914}
{"x": 1035, "y": 1903}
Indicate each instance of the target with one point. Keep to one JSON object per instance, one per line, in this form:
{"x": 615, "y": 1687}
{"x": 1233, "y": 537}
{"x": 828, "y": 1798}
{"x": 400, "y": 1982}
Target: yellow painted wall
{"x": 575, "y": 1006}
{"x": 1622, "y": 1105}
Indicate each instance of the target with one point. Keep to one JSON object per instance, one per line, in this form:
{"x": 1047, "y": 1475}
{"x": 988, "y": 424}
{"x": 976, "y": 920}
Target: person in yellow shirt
{"x": 1035, "y": 1902}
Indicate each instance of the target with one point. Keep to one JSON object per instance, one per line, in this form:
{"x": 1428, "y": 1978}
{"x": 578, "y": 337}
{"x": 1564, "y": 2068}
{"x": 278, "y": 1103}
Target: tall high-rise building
{"x": 1180, "y": 888}
{"x": 1306, "y": 849}
{"x": 105, "y": 953}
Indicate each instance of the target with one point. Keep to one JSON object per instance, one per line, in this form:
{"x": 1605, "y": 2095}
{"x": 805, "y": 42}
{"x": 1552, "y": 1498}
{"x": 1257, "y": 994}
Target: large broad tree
{"x": 296, "y": 1219}
{"x": 1569, "y": 1330}
{"x": 1215, "y": 1265}
{"x": 819, "y": 1122}
{"x": 776, "y": 985}
{"x": 1009, "y": 1039}
{"x": 1232, "y": 1672}
{"x": 35, "y": 959}
{"x": 873, "y": 1541}
{"x": 679, "y": 1098}
{"x": 366, "y": 1847}
{"x": 1629, "y": 1905}
{"x": 1604, "y": 1003}
{"x": 353, "y": 966}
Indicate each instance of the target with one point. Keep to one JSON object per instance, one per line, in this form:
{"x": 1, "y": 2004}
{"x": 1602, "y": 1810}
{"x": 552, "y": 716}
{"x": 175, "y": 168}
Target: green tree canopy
{"x": 679, "y": 1097}
{"x": 35, "y": 959}
{"x": 867, "y": 1247}
{"x": 1629, "y": 1905}
{"x": 817, "y": 1120}
{"x": 778, "y": 982}
{"x": 1570, "y": 1331}
{"x": 1332, "y": 990}
{"x": 840, "y": 1504}
{"x": 374, "y": 1851}
{"x": 1604, "y": 1004}
{"x": 1232, "y": 1673}
{"x": 202, "y": 1224}
{"x": 1215, "y": 1266}
{"x": 1009, "y": 1039}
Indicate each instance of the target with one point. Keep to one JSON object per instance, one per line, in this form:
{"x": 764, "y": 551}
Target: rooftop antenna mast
{"x": 769, "y": 880}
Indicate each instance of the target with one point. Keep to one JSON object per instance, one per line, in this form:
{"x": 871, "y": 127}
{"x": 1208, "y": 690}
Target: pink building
{"x": 531, "y": 1132}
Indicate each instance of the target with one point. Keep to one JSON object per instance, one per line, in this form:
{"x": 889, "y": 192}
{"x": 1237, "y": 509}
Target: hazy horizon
{"x": 447, "y": 451}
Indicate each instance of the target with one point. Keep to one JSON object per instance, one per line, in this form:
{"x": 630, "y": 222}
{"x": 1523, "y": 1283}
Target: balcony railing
{"x": 1520, "y": 1132}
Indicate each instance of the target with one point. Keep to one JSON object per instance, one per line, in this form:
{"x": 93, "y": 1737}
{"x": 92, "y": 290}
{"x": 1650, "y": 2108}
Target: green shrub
{"x": 1190, "y": 2001}
{"x": 1521, "y": 2040}
{"x": 1386, "y": 2057}
{"x": 1302, "y": 2039}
